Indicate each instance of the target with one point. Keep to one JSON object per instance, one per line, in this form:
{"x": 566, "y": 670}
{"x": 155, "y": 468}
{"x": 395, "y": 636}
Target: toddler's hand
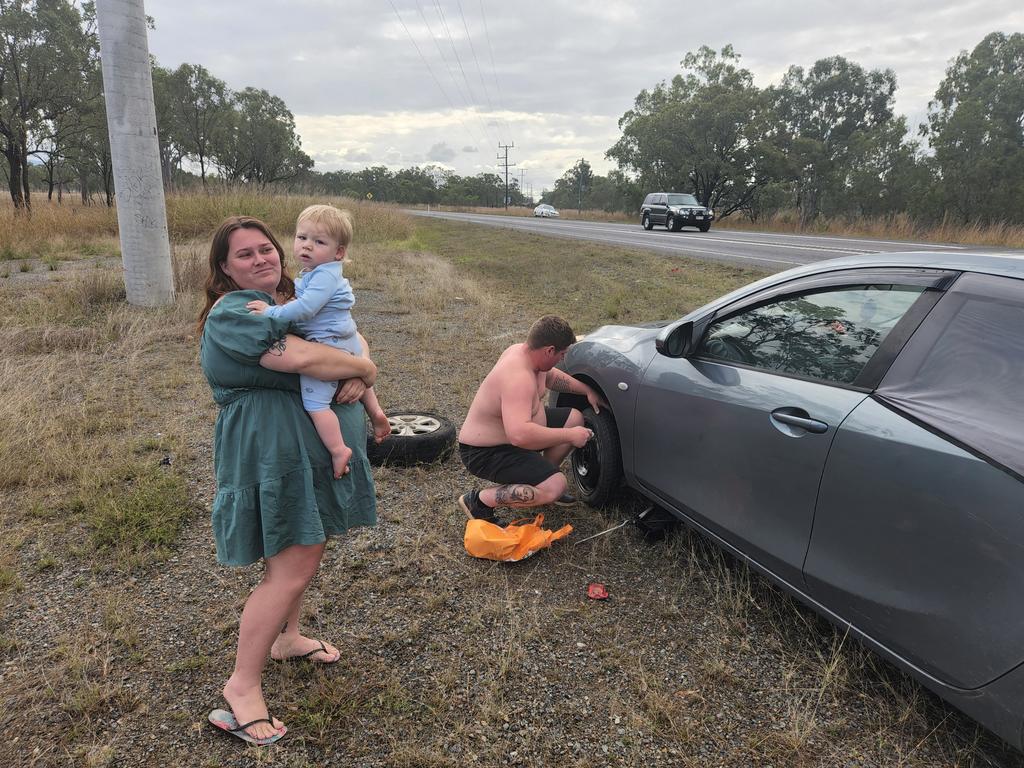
{"x": 257, "y": 306}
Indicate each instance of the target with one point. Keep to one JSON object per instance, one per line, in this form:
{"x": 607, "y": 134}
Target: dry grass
{"x": 447, "y": 661}
{"x": 72, "y": 230}
{"x": 895, "y": 227}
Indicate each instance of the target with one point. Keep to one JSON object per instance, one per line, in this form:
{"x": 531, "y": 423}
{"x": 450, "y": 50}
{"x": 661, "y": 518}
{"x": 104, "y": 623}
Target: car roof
{"x": 1004, "y": 264}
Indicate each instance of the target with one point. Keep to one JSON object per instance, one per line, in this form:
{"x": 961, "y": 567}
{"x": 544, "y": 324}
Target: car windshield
{"x": 682, "y": 200}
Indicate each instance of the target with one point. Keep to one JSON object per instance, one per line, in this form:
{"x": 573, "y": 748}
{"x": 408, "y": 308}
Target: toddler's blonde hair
{"x": 336, "y": 221}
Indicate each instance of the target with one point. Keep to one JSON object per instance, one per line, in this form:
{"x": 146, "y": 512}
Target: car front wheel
{"x": 646, "y": 222}
{"x": 670, "y": 223}
{"x": 597, "y": 466}
{"x": 705, "y": 226}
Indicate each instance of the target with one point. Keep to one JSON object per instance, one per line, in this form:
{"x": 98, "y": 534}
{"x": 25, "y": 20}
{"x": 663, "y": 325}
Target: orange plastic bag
{"x": 517, "y": 541}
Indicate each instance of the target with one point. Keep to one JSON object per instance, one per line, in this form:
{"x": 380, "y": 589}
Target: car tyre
{"x": 417, "y": 437}
{"x": 705, "y": 226}
{"x": 670, "y": 223}
{"x": 597, "y": 466}
{"x": 646, "y": 223}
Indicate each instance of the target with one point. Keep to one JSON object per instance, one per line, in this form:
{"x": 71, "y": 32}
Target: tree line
{"x": 824, "y": 141}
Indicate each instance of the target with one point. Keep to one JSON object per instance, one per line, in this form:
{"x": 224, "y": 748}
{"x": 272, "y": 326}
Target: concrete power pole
{"x": 135, "y": 152}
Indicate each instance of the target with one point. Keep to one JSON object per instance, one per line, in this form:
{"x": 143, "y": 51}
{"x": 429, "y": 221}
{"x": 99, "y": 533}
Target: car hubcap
{"x": 408, "y": 424}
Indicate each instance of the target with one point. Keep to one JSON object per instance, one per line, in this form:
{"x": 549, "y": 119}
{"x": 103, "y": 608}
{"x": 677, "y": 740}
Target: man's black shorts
{"x": 506, "y": 464}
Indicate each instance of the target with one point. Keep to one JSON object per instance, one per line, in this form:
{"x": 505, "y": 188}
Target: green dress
{"x": 275, "y": 484}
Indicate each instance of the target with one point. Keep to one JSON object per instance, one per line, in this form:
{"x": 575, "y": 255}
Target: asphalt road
{"x": 765, "y": 250}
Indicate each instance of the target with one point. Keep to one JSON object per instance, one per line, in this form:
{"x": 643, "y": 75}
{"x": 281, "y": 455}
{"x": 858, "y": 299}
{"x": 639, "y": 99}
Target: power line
{"x": 458, "y": 59}
{"x": 494, "y": 68}
{"x": 431, "y": 71}
{"x": 476, "y": 61}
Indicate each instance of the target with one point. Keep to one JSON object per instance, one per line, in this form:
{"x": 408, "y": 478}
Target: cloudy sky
{"x": 413, "y": 82}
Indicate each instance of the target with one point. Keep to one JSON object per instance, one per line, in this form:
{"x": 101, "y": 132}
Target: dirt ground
{"x": 447, "y": 660}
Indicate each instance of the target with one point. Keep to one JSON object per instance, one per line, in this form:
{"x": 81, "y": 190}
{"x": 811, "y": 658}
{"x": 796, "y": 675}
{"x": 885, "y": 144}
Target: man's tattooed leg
{"x": 515, "y": 495}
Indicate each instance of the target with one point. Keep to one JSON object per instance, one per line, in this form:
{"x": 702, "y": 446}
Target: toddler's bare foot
{"x": 340, "y": 461}
{"x": 246, "y": 705}
{"x": 381, "y": 426}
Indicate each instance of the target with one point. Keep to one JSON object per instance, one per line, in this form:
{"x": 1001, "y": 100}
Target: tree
{"x": 825, "y": 114}
{"x": 976, "y": 129}
{"x": 45, "y": 50}
{"x": 202, "y": 114}
{"x": 261, "y": 145}
{"x": 703, "y": 133}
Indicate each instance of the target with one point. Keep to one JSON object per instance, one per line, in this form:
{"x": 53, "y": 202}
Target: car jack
{"x": 636, "y": 519}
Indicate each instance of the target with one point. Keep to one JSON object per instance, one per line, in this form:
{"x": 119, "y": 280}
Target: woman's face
{"x": 253, "y": 262}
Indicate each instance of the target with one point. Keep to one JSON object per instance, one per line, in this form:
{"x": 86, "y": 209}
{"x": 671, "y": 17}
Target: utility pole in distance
{"x": 507, "y": 165}
{"x": 579, "y": 199}
{"x": 522, "y": 178}
{"x": 135, "y": 152}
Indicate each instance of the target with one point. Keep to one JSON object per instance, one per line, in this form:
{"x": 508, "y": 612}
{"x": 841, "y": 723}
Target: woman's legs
{"x": 287, "y": 575}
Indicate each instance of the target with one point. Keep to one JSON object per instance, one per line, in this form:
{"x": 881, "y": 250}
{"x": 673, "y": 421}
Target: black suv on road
{"x": 675, "y": 210}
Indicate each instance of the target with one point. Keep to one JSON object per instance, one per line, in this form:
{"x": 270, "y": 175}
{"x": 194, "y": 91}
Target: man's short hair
{"x": 550, "y": 331}
{"x": 337, "y": 222}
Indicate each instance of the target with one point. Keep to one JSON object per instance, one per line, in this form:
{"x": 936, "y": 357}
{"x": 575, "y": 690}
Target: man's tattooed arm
{"x": 559, "y": 381}
{"x": 516, "y": 495}
{"x": 277, "y": 348}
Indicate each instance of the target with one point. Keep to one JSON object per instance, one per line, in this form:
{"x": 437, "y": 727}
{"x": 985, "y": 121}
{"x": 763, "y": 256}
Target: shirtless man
{"x": 510, "y": 438}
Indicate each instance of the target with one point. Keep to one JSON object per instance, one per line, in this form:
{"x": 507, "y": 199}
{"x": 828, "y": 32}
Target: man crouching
{"x": 511, "y": 438}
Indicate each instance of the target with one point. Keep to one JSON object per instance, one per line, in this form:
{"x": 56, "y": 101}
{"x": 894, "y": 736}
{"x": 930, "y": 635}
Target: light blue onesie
{"x": 322, "y": 311}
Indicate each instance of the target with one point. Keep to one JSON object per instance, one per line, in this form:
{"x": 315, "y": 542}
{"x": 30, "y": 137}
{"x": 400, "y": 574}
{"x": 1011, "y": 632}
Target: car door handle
{"x": 785, "y": 416}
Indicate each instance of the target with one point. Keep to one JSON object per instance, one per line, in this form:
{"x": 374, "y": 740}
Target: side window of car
{"x": 827, "y": 334}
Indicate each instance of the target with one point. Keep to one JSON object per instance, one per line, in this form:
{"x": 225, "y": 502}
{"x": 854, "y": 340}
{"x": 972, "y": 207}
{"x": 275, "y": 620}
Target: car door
{"x": 918, "y": 536}
{"x": 736, "y": 434}
{"x": 659, "y": 209}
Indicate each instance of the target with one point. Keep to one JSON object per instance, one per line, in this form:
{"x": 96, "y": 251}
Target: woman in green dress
{"x": 277, "y": 499}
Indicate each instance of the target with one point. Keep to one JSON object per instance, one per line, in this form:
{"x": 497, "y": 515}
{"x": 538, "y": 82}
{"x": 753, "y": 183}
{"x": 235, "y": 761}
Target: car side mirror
{"x": 675, "y": 340}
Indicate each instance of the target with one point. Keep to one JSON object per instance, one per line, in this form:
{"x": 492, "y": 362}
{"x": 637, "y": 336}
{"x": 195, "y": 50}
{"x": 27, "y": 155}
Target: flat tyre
{"x": 417, "y": 437}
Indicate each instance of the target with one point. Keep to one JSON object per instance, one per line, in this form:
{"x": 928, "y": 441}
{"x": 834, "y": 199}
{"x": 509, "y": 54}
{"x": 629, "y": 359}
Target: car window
{"x": 682, "y": 200}
{"x": 961, "y": 373}
{"x": 827, "y": 334}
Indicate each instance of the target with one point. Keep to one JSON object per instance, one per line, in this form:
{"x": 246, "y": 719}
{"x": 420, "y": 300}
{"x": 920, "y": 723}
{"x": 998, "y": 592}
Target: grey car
{"x": 853, "y": 429}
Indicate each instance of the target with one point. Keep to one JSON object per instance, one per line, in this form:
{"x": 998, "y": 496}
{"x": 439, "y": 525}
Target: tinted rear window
{"x": 962, "y": 372}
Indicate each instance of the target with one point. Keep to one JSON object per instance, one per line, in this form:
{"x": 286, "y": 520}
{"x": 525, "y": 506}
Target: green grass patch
{"x": 144, "y": 517}
{"x": 587, "y": 283}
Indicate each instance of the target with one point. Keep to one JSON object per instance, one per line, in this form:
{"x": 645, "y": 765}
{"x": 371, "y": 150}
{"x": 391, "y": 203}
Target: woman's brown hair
{"x": 217, "y": 282}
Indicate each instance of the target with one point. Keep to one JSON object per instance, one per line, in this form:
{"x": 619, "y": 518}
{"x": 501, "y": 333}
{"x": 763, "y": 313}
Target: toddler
{"x": 322, "y": 311}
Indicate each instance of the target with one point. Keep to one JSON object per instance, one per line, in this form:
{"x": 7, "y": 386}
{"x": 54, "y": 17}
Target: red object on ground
{"x": 596, "y": 591}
